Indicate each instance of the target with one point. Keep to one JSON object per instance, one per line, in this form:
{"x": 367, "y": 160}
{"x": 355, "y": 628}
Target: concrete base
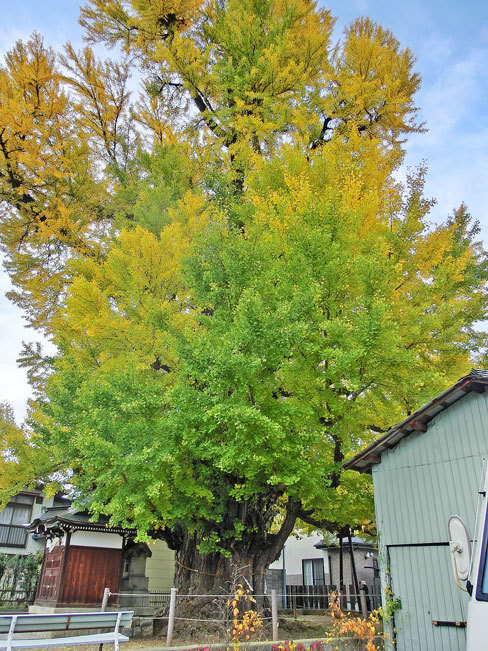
{"x": 37, "y": 609}
{"x": 147, "y": 611}
{"x": 139, "y": 604}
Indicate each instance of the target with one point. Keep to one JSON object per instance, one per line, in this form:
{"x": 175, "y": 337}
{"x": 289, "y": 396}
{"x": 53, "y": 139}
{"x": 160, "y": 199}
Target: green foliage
{"x": 19, "y": 574}
{"x": 392, "y": 604}
{"x": 248, "y": 299}
{"x": 280, "y": 347}
{"x": 25, "y": 459}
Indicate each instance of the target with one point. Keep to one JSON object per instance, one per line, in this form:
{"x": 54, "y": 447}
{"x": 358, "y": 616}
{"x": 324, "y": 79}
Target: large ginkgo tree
{"x": 239, "y": 290}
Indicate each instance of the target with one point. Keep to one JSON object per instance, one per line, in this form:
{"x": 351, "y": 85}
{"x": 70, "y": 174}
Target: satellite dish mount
{"x": 460, "y": 549}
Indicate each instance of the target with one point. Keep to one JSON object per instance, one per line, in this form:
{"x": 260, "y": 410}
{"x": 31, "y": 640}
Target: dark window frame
{"x": 12, "y": 529}
{"x": 317, "y": 580}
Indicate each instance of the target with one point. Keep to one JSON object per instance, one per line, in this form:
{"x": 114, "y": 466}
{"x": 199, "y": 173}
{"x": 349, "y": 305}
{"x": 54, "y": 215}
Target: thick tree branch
{"x": 277, "y": 540}
{"x": 332, "y": 527}
{"x": 321, "y": 137}
{"x": 205, "y": 109}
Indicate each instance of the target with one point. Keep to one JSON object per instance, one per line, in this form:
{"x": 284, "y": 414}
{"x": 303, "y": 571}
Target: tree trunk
{"x": 247, "y": 561}
{"x": 210, "y": 574}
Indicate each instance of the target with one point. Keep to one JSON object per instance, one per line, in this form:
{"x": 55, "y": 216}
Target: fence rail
{"x": 297, "y": 596}
{"x": 172, "y": 598}
{"x": 311, "y": 597}
{"x": 316, "y": 597}
{"x": 9, "y": 597}
{"x": 158, "y": 599}
{"x": 300, "y": 597}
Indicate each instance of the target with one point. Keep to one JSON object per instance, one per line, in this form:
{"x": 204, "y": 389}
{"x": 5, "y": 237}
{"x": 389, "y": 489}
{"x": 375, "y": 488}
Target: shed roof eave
{"x": 364, "y": 460}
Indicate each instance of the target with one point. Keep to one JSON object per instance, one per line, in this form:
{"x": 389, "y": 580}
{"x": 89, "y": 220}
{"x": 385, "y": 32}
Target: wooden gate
{"x": 51, "y": 573}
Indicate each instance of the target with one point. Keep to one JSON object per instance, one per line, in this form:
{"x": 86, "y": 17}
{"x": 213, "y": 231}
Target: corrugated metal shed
{"x": 425, "y": 469}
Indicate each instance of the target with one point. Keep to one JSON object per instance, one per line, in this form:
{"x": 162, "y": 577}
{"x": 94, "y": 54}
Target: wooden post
{"x": 274, "y": 615}
{"x": 171, "y": 615}
{"x": 106, "y": 595}
{"x": 364, "y": 603}
{"x": 60, "y": 586}
{"x": 294, "y": 594}
{"x": 354, "y": 596}
{"x": 284, "y": 577}
{"x": 323, "y": 600}
{"x": 353, "y": 565}
{"x": 342, "y": 587}
{"x": 341, "y": 564}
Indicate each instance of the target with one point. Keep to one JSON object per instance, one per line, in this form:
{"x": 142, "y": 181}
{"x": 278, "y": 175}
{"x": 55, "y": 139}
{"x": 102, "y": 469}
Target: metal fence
{"x": 159, "y": 599}
{"x": 297, "y": 596}
{"x": 225, "y": 615}
{"x": 16, "y": 598}
{"x": 316, "y": 597}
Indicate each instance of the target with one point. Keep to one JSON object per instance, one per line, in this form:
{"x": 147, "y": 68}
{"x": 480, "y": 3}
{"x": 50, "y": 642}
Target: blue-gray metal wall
{"x": 419, "y": 483}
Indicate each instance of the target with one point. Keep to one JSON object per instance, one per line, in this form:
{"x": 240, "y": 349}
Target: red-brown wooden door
{"x": 88, "y": 571}
{"x": 49, "y": 582}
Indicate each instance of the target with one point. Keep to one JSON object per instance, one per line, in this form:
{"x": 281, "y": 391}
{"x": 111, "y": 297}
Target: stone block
{"x": 142, "y": 628}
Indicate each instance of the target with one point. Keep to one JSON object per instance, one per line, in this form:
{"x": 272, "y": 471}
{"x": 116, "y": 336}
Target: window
{"x": 17, "y": 513}
{"x": 313, "y": 571}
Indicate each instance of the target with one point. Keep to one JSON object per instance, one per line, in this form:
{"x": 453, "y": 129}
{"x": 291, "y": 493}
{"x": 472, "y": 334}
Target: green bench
{"x": 18, "y": 625}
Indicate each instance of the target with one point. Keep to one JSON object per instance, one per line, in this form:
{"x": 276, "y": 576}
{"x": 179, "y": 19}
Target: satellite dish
{"x": 460, "y": 548}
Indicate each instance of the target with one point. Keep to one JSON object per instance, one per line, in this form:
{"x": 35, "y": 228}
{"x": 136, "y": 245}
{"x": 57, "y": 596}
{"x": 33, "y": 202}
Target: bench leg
{"x": 116, "y": 631}
{"x": 11, "y": 632}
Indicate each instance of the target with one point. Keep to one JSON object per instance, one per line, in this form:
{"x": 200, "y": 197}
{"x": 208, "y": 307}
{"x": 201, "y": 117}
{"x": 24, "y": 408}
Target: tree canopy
{"x": 240, "y": 291}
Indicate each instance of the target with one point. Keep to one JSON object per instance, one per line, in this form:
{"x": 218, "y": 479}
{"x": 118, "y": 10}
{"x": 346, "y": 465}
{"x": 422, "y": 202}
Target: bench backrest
{"x": 65, "y": 621}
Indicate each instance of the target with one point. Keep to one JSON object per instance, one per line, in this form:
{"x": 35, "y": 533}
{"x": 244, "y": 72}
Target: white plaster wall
{"x": 298, "y": 549}
{"x": 96, "y": 539}
{"x": 160, "y": 567}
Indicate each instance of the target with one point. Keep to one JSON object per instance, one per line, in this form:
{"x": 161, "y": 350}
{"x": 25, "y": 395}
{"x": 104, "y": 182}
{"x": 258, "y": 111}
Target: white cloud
{"x": 454, "y": 97}
{"x": 362, "y": 6}
{"x": 456, "y": 143}
{"x": 13, "y": 380}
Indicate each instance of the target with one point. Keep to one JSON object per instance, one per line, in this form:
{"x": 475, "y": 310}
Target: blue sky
{"x": 450, "y": 41}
